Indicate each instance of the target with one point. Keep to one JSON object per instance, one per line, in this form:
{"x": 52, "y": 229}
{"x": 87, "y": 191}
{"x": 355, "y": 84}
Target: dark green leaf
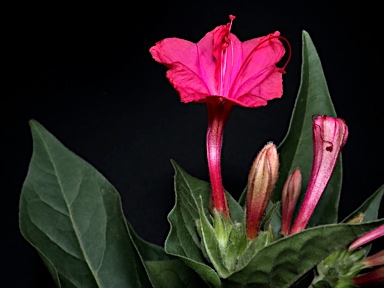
{"x": 72, "y": 215}
{"x": 52, "y": 270}
{"x": 272, "y": 211}
{"x": 165, "y": 270}
{"x": 284, "y": 261}
{"x": 296, "y": 148}
{"x": 370, "y": 208}
{"x": 148, "y": 251}
{"x": 174, "y": 274}
{"x": 243, "y": 197}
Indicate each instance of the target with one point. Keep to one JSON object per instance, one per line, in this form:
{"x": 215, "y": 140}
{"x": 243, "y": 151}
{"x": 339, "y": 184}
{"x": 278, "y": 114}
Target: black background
{"x": 85, "y": 73}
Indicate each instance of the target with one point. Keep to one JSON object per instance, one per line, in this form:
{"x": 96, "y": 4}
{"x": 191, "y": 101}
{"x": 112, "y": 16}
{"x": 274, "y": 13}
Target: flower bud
{"x": 289, "y": 196}
{"x": 261, "y": 182}
{"x": 376, "y": 259}
{"x": 374, "y": 277}
{"x": 367, "y": 237}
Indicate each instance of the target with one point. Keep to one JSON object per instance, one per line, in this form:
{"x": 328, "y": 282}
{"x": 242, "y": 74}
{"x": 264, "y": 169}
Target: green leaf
{"x": 272, "y": 213}
{"x": 72, "y": 215}
{"x": 296, "y": 148}
{"x": 284, "y": 261}
{"x": 165, "y": 270}
{"x": 370, "y": 208}
{"x": 174, "y": 274}
{"x": 51, "y": 270}
{"x": 183, "y": 240}
{"x": 148, "y": 251}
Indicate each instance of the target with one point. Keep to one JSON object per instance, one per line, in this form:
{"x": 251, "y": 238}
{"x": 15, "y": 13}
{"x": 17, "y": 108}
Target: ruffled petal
{"x": 258, "y": 89}
{"x": 207, "y": 62}
{"x": 260, "y": 56}
{"x": 190, "y": 86}
{"x": 183, "y": 59}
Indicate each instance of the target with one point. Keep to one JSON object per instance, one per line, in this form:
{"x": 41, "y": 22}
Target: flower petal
{"x": 257, "y": 90}
{"x": 182, "y": 57}
{"x": 258, "y": 75}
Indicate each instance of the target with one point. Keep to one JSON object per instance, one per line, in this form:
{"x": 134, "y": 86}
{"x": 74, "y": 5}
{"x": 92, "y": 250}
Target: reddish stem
{"x": 218, "y": 113}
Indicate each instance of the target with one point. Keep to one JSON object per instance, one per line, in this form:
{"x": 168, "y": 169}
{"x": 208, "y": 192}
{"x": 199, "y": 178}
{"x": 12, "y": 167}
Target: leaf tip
{"x": 34, "y": 124}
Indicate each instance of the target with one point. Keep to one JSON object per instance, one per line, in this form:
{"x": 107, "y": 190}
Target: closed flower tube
{"x": 329, "y": 136}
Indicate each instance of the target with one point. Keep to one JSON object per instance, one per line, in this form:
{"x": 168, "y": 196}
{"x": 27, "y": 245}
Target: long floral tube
{"x": 329, "y": 136}
{"x": 218, "y": 113}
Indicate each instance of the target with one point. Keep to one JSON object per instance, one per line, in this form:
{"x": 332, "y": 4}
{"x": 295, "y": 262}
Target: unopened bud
{"x": 374, "y": 277}
{"x": 261, "y": 182}
{"x": 367, "y": 237}
{"x": 289, "y": 196}
{"x": 374, "y": 260}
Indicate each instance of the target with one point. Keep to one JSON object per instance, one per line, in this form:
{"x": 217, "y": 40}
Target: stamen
{"x": 226, "y": 40}
{"x": 224, "y": 46}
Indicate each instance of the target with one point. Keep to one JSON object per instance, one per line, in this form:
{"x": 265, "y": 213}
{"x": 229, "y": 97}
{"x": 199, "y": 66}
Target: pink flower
{"x": 222, "y": 71}
{"x": 289, "y": 196}
{"x": 329, "y": 136}
{"x": 222, "y": 66}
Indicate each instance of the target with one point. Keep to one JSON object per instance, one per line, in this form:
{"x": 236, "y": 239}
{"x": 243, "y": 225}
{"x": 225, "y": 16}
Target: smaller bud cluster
{"x": 350, "y": 267}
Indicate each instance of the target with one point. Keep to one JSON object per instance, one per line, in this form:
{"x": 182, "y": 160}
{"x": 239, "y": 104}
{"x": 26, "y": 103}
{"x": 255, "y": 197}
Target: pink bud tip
{"x": 374, "y": 260}
{"x": 368, "y": 237}
{"x": 289, "y": 196}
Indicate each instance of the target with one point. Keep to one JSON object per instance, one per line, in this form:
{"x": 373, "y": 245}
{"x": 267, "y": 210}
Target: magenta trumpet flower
{"x": 222, "y": 71}
{"x": 329, "y": 136}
